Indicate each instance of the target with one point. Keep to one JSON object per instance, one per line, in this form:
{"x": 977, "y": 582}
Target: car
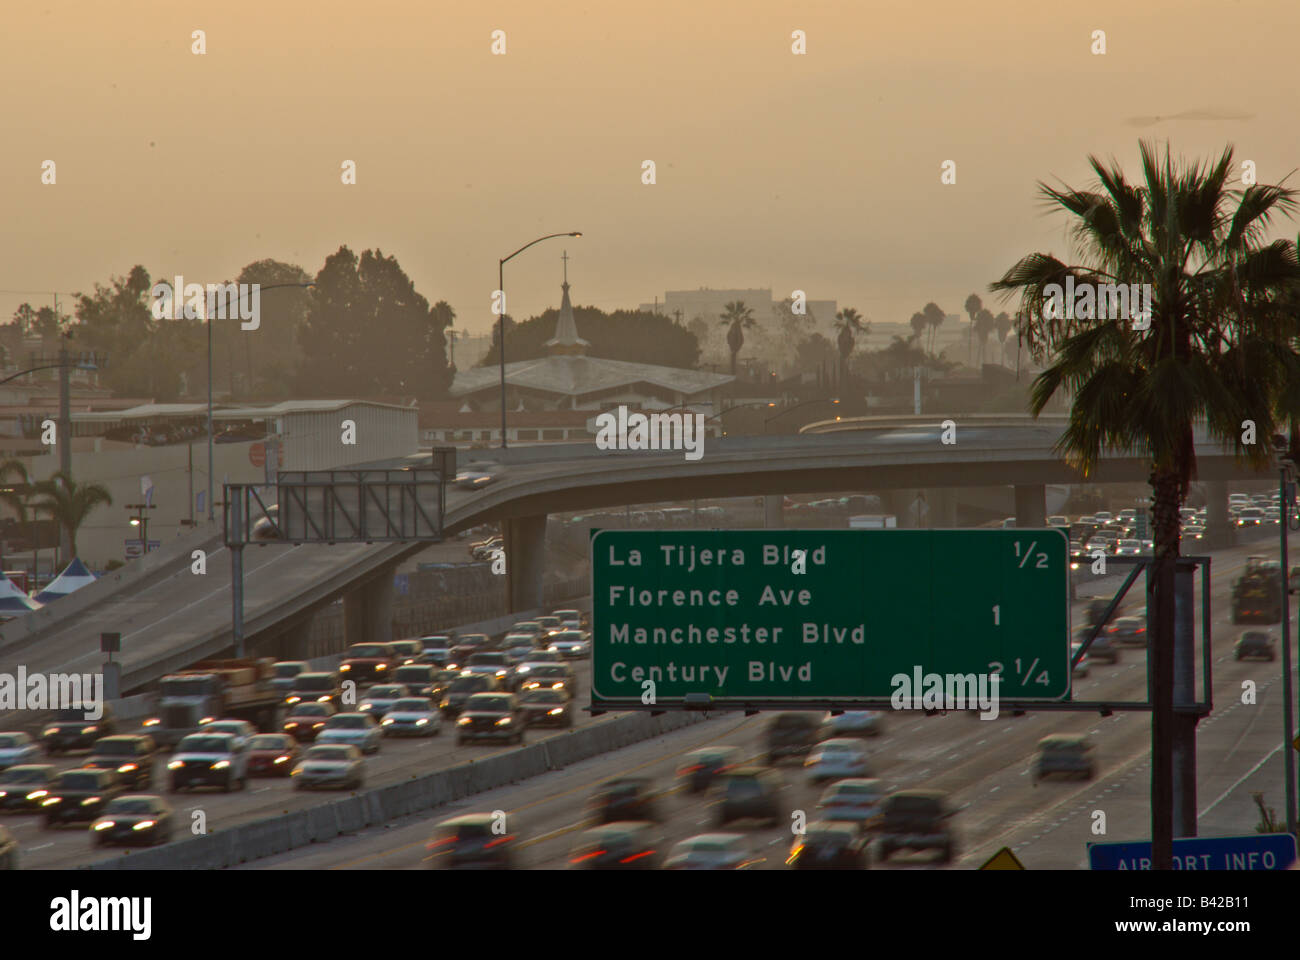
{"x": 272, "y": 755}
{"x": 132, "y": 757}
{"x": 241, "y": 730}
{"x": 134, "y": 818}
{"x": 1104, "y": 516}
{"x": 1128, "y": 548}
{"x": 750, "y": 793}
{"x": 571, "y": 615}
{"x": 491, "y": 663}
{"x": 1080, "y": 669}
{"x": 306, "y": 720}
{"x": 412, "y": 717}
{"x": 23, "y": 787}
{"x": 858, "y": 800}
{"x": 477, "y": 476}
{"x": 407, "y": 650}
{"x": 836, "y": 759}
{"x": 712, "y": 851}
{"x": 79, "y": 795}
{"x": 491, "y": 716}
{"x": 1250, "y": 517}
{"x": 794, "y": 734}
{"x": 1068, "y": 754}
{"x": 380, "y": 698}
{"x": 367, "y": 662}
{"x": 462, "y": 688}
{"x": 436, "y": 650}
{"x": 915, "y": 820}
{"x": 830, "y": 845}
{"x": 857, "y": 723}
{"x": 9, "y": 855}
{"x": 625, "y": 798}
{"x": 338, "y": 765}
{"x": 360, "y": 730}
{"x": 571, "y": 644}
{"x": 557, "y": 676}
{"x": 70, "y": 730}
{"x": 1193, "y": 531}
{"x": 209, "y": 760}
{"x": 266, "y": 527}
{"x": 547, "y": 708}
{"x": 551, "y": 624}
{"x": 542, "y": 656}
{"x": 284, "y": 672}
{"x": 1101, "y": 649}
{"x": 1129, "y": 630}
{"x": 473, "y": 841}
{"x": 530, "y": 627}
{"x": 1255, "y": 645}
{"x": 704, "y": 767}
{"x": 619, "y": 845}
{"x": 519, "y": 654}
{"x": 466, "y": 647}
{"x": 1058, "y": 520}
{"x": 320, "y": 687}
{"x": 17, "y": 747}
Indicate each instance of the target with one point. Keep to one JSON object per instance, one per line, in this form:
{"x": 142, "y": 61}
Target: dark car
{"x": 547, "y": 708}
{"x": 407, "y": 650}
{"x": 131, "y": 757}
{"x": 24, "y": 787}
{"x": 442, "y": 681}
{"x": 489, "y": 663}
{"x": 621, "y": 845}
{"x": 491, "y": 716}
{"x": 318, "y": 687}
{"x": 1066, "y": 754}
{"x": 461, "y": 652}
{"x": 557, "y": 676}
{"x": 368, "y": 662}
{"x": 915, "y": 820}
{"x": 701, "y": 768}
{"x": 284, "y": 672}
{"x": 462, "y": 688}
{"x": 272, "y": 754}
{"x": 827, "y": 845}
{"x": 627, "y": 798}
{"x": 140, "y": 818}
{"x": 1129, "y": 630}
{"x": 79, "y": 795}
{"x": 473, "y": 841}
{"x": 70, "y": 730}
{"x": 306, "y": 720}
{"x": 1255, "y": 645}
{"x": 751, "y": 793}
{"x": 794, "y": 735}
{"x": 1102, "y": 648}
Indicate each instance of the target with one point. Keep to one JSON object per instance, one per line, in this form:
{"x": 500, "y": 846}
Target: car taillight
{"x": 686, "y": 770}
{"x": 636, "y": 856}
{"x": 588, "y": 856}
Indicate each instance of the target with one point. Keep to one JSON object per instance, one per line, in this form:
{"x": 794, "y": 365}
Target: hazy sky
{"x": 819, "y": 172}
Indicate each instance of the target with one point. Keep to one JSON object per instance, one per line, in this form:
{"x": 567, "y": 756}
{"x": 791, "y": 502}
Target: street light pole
{"x": 1284, "y": 513}
{"x": 501, "y": 341}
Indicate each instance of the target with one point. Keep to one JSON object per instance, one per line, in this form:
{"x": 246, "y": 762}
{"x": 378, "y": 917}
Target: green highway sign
{"x": 808, "y": 615}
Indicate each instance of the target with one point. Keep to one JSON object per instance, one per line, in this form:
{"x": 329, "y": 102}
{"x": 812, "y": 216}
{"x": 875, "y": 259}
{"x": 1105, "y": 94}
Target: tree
{"x": 69, "y": 503}
{"x": 849, "y": 322}
{"x": 13, "y": 495}
{"x": 972, "y": 306}
{"x": 737, "y": 318}
{"x": 1003, "y": 320}
{"x": 934, "y": 317}
{"x": 627, "y": 335}
{"x": 984, "y": 325}
{"x": 1219, "y": 349}
{"x": 919, "y": 323}
{"x": 814, "y": 352}
{"x": 271, "y": 353}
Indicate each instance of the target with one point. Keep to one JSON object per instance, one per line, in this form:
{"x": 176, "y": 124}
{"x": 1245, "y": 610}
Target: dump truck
{"x": 1257, "y": 593}
{"x": 215, "y": 690}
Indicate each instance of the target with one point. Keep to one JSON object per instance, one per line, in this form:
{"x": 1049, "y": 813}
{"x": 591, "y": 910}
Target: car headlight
{"x": 504, "y": 721}
{"x": 345, "y": 668}
{"x": 37, "y": 794}
{"x": 419, "y": 723}
{"x": 381, "y": 666}
{"x": 221, "y": 765}
{"x": 558, "y": 685}
{"x": 51, "y": 801}
{"x": 90, "y": 801}
{"x": 292, "y": 699}
{"x": 325, "y": 699}
{"x": 144, "y": 824}
{"x": 175, "y": 764}
{"x": 152, "y": 722}
{"x": 90, "y": 729}
{"x": 207, "y": 720}
{"x": 317, "y": 726}
{"x": 280, "y": 760}
{"x": 291, "y": 725}
{"x": 104, "y": 825}
{"x": 463, "y": 721}
{"x": 50, "y": 731}
{"x": 366, "y": 707}
{"x": 556, "y": 712}
{"x": 127, "y": 768}
{"x": 446, "y": 702}
{"x": 386, "y": 721}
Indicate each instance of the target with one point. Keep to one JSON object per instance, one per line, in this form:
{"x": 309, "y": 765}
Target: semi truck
{"x": 1257, "y": 593}
{"x": 215, "y": 690}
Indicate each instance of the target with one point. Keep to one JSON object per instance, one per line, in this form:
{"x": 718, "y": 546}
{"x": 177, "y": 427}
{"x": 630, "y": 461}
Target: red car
{"x": 308, "y": 719}
{"x": 368, "y": 662}
{"x": 272, "y": 755}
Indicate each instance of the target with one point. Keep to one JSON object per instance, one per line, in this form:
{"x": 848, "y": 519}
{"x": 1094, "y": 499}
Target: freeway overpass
{"x": 176, "y": 618}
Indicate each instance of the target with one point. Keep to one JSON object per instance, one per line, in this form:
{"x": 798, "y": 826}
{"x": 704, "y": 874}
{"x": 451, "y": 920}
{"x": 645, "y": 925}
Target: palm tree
{"x": 1219, "y": 349}
{"x": 849, "y": 322}
{"x": 69, "y": 503}
{"x": 919, "y": 323}
{"x": 13, "y": 495}
{"x": 935, "y": 317}
{"x": 739, "y": 318}
{"x": 972, "y": 306}
{"x": 984, "y": 325}
{"x": 1004, "y": 327}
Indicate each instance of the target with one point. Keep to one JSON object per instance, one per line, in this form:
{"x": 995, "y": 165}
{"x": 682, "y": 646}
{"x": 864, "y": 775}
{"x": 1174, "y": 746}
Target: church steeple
{"x": 566, "y": 340}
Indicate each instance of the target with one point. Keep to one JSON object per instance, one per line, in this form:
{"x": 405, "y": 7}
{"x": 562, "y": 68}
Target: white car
{"x": 857, "y": 723}
{"x": 858, "y": 800}
{"x": 17, "y": 747}
{"x": 354, "y": 729}
{"x": 712, "y": 851}
{"x": 1128, "y": 548}
{"x": 412, "y": 717}
{"x": 330, "y": 765}
{"x": 380, "y": 698}
{"x": 241, "y": 730}
{"x": 571, "y": 644}
{"x": 837, "y": 759}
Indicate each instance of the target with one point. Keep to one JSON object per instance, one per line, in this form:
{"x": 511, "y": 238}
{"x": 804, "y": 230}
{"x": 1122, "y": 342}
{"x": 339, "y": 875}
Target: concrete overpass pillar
{"x": 525, "y": 545}
{"x": 1031, "y": 505}
{"x": 1219, "y": 531}
{"x": 368, "y": 611}
{"x": 774, "y": 511}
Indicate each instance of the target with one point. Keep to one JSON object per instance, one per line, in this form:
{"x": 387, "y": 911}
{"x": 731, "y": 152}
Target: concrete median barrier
{"x": 322, "y": 823}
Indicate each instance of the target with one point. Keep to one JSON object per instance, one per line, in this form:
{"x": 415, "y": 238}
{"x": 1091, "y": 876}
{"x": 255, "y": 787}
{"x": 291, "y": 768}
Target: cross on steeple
{"x": 565, "y": 257}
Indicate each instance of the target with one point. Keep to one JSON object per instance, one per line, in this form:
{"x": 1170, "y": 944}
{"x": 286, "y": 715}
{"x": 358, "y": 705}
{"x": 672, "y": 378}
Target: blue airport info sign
{"x": 817, "y": 615}
{"x": 1257, "y": 851}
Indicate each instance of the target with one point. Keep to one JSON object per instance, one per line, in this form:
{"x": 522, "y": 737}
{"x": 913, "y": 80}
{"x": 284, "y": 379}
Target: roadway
{"x": 984, "y": 767}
